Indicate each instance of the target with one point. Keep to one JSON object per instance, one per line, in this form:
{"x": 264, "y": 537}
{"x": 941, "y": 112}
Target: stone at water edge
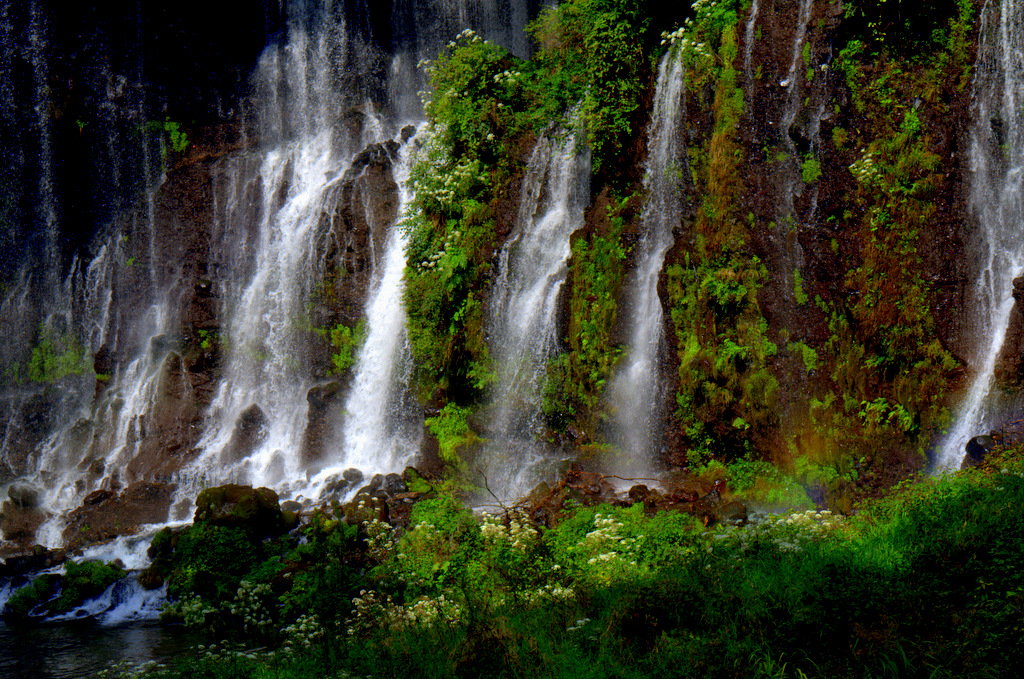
{"x": 353, "y": 476}
{"x": 977, "y": 449}
{"x": 257, "y": 510}
{"x": 36, "y": 559}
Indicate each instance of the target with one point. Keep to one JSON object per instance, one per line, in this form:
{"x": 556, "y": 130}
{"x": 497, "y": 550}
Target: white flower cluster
{"x": 865, "y": 169}
{"x": 682, "y": 36}
{"x": 452, "y": 183}
{"x": 426, "y": 612}
{"x": 789, "y": 533}
{"x": 580, "y": 624}
{"x": 606, "y": 543}
{"x": 371, "y": 611}
{"x": 249, "y": 605}
{"x": 547, "y": 593}
{"x": 466, "y": 34}
{"x": 194, "y": 610}
{"x": 432, "y": 261}
{"x": 381, "y": 539}
{"x": 301, "y": 634}
{"x": 519, "y": 533}
{"x": 225, "y": 652}
{"x": 510, "y": 77}
{"x": 126, "y": 669}
{"x": 686, "y": 44}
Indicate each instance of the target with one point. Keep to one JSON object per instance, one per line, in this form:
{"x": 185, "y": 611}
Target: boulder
{"x": 732, "y": 513}
{"x": 32, "y": 560}
{"x": 321, "y": 395}
{"x": 977, "y": 449}
{"x": 24, "y": 495}
{"x": 18, "y": 524}
{"x": 257, "y": 510}
{"x": 249, "y": 433}
{"x": 393, "y": 485}
{"x": 334, "y": 488}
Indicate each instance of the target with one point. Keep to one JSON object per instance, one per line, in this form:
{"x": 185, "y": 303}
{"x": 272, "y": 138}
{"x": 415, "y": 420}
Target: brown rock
{"x": 105, "y": 515}
{"x": 19, "y": 524}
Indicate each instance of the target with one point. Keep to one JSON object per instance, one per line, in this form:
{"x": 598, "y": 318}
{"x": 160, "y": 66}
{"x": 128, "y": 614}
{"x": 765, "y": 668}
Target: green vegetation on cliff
{"x": 485, "y": 111}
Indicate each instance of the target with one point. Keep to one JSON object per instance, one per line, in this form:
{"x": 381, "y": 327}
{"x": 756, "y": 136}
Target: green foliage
{"x": 55, "y": 594}
{"x": 890, "y": 369}
{"x": 485, "y": 108}
{"x": 176, "y": 138}
{"x": 799, "y": 294}
{"x": 22, "y": 602}
{"x": 906, "y": 27}
{"x": 211, "y": 560}
{"x": 807, "y": 354}
{"x": 453, "y": 432}
{"x": 346, "y": 341}
{"x": 54, "y": 357}
{"x": 810, "y": 169}
{"x": 84, "y": 580}
{"x": 591, "y": 51}
{"x": 723, "y": 353}
{"x": 762, "y": 483}
{"x": 577, "y": 378}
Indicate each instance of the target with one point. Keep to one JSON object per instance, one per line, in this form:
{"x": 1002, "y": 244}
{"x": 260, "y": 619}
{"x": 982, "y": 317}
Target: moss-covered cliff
{"x": 815, "y": 283}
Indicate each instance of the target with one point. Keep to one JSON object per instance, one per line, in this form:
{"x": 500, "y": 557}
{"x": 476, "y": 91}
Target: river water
{"x": 81, "y": 649}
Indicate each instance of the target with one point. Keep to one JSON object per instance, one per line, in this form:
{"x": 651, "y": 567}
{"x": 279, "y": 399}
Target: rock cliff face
{"x": 815, "y": 307}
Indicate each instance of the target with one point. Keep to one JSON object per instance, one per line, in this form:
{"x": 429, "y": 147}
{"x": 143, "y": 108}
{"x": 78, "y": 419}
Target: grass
{"x": 925, "y": 582}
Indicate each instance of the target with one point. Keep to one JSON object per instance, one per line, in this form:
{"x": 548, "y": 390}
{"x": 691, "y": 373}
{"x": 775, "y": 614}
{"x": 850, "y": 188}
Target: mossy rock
{"x": 256, "y": 510}
{"x": 156, "y": 573}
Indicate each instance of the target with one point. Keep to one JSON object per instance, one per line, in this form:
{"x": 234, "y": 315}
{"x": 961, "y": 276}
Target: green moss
{"x": 29, "y": 597}
{"x": 453, "y": 432}
{"x": 84, "y": 580}
{"x": 799, "y": 294}
{"x": 807, "y": 354}
{"x": 810, "y": 170}
{"x": 577, "y": 378}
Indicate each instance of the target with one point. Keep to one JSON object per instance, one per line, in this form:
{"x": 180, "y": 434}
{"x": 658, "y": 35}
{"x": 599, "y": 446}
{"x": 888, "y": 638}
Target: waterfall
{"x": 265, "y": 336}
{"x": 382, "y": 425}
{"x": 637, "y": 395}
{"x": 524, "y": 311}
{"x": 278, "y": 208}
{"x": 997, "y": 187}
{"x": 147, "y": 292}
{"x": 792, "y": 184}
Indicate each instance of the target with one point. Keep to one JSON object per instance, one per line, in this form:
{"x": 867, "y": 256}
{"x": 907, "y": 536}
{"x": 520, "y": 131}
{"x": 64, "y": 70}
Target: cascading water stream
{"x": 636, "y": 394}
{"x": 748, "y": 46}
{"x": 265, "y": 331}
{"x": 791, "y": 180}
{"x": 524, "y": 311}
{"x": 382, "y": 427}
{"x": 997, "y": 203}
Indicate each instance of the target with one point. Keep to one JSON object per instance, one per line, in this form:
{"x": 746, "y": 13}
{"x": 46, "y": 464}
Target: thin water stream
{"x": 997, "y": 203}
{"x": 524, "y": 309}
{"x": 637, "y": 390}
